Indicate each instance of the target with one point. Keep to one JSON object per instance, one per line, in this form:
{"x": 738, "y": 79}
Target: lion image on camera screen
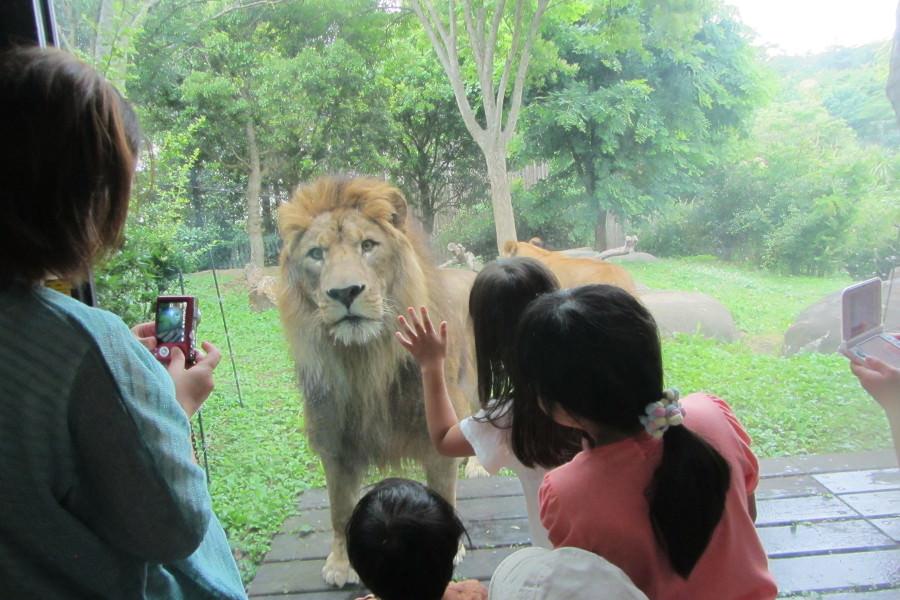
{"x": 351, "y": 262}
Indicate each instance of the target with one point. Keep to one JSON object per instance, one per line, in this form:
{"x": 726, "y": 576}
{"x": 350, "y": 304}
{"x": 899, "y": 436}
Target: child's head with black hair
{"x": 401, "y": 540}
{"x": 500, "y": 294}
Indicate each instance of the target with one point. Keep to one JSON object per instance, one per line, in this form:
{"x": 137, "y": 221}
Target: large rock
{"x": 818, "y": 328}
{"x": 591, "y": 253}
{"x": 690, "y": 312}
{"x": 633, "y": 257}
{"x": 264, "y": 294}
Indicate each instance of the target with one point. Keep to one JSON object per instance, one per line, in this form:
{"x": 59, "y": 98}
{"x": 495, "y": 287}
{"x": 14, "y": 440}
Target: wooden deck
{"x": 830, "y": 524}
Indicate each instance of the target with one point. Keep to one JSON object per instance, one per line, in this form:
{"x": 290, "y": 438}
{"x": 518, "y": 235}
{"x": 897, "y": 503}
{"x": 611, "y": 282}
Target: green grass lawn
{"x": 259, "y": 459}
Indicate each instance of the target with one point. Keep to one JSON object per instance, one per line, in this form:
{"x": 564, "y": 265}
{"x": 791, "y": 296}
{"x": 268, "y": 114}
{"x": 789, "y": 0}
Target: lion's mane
{"x": 363, "y": 402}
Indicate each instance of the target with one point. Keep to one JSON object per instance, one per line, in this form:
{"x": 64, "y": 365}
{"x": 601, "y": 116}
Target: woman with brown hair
{"x": 99, "y": 494}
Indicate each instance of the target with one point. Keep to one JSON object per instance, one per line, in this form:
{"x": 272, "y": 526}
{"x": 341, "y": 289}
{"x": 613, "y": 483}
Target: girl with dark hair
{"x": 499, "y": 295}
{"x": 664, "y": 488}
{"x": 100, "y": 496}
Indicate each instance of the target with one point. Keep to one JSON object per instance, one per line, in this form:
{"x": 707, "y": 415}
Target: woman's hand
{"x": 418, "y": 336}
{"x": 193, "y": 386}
{"x": 881, "y": 380}
{"x": 146, "y": 334}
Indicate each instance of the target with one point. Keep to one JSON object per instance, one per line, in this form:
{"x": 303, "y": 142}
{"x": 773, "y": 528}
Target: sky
{"x": 811, "y": 26}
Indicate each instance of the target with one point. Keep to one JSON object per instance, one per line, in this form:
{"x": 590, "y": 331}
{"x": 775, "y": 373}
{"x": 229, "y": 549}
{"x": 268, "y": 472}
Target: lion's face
{"x": 344, "y": 264}
{"x": 345, "y": 260}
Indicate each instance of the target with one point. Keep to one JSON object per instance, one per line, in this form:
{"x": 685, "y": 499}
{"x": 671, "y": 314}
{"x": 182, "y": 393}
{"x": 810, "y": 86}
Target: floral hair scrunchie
{"x": 662, "y": 414}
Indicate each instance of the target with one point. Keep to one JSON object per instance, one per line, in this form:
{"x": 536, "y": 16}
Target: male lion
{"x": 573, "y": 271}
{"x": 350, "y": 263}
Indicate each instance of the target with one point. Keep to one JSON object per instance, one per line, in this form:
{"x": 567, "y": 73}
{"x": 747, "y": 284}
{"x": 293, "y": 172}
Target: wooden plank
{"x": 332, "y": 595}
{"x": 892, "y": 594}
{"x": 286, "y": 547}
{"x": 481, "y": 564}
{"x": 489, "y": 533}
{"x": 872, "y": 480}
{"x": 890, "y": 526}
{"x": 492, "y": 533}
{"x": 783, "y": 511}
{"x": 292, "y": 577}
{"x": 832, "y": 536}
{"x": 481, "y": 487}
{"x": 788, "y": 487}
{"x": 827, "y": 463}
{"x": 875, "y": 504}
{"x": 837, "y": 572}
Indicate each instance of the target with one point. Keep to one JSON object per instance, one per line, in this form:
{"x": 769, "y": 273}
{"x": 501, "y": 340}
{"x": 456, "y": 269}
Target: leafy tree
{"x": 104, "y": 31}
{"x": 851, "y": 84}
{"x": 801, "y": 195}
{"x": 505, "y": 29}
{"x": 433, "y": 157}
{"x": 286, "y": 91}
{"x": 649, "y": 93}
{"x": 893, "y": 84}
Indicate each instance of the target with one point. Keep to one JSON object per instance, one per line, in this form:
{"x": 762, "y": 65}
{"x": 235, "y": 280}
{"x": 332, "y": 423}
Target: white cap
{"x": 561, "y": 574}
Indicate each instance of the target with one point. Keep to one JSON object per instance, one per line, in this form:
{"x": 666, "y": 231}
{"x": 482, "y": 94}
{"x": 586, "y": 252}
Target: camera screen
{"x": 170, "y": 322}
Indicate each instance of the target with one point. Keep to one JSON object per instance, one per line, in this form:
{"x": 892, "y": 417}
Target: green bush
{"x": 810, "y": 241}
{"x": 674, "y": 233}
{"x": 873, "y": 245}
{"x": 473, "y": 227}
{"x": 128, "y": 283}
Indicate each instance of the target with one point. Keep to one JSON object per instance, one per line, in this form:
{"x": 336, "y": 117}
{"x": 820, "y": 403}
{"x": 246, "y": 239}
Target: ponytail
{"x": 687, "y": 497}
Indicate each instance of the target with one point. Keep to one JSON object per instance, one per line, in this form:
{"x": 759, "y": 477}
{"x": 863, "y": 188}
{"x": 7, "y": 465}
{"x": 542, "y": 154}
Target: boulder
{"x": 818, "y": 328}
{"x": 591, "y": 253}
{"x": 633, "y": 257}
{"x": 690, "y": 312}
{"x": 263, "y": 295}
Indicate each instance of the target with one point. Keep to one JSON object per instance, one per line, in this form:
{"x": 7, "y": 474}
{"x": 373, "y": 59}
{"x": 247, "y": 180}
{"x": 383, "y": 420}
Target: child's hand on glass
{"x": 418, "y": 335}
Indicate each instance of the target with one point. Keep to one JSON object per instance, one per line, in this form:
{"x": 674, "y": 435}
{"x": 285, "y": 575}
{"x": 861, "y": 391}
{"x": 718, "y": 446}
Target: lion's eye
{"x": 368, "y": 245}
{"x": 316, "y": 253}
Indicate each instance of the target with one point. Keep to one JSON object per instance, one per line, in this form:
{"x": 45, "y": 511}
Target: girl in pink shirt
{"x": 663, "y": 489}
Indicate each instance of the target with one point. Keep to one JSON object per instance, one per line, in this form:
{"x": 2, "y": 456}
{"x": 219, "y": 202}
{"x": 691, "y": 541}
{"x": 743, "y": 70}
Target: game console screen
{"x": 879, "y": 348}
{"x": 862, "y": 309}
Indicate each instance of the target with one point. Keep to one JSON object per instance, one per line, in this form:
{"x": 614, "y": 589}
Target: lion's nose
{"x": 347, "y": 294}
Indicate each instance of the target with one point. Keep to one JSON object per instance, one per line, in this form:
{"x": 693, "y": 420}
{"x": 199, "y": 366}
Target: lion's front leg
{"x": 440, "y": 473}
{"x": 343, "y": 481}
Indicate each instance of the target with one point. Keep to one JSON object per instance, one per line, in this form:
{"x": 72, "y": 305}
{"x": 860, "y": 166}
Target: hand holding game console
{"x": 881, "y": 380}
{"x": 862, "y": 329}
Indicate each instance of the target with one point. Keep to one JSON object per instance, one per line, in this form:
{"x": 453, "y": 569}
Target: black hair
{"x": 69, "y": 144}
{"x": 595, "y": 352}
{"x": 501, "y": 292}
{"x": 402, "y": 538}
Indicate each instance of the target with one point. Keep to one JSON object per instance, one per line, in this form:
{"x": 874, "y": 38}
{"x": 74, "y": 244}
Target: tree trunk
{"x": 501, "y": 198}
{"x": 600, "y": 230}
{"x": 426, "y": 205}
{"x": 254, "y": 184}
{"x": 112, "y": 46}
{"x": 268, "y": 219}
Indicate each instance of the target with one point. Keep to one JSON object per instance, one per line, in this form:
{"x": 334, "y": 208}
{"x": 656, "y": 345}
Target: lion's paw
{"x": 474, "y": 469}
{"x": 460, "y": 554}
{"x": 338, "y": 572}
